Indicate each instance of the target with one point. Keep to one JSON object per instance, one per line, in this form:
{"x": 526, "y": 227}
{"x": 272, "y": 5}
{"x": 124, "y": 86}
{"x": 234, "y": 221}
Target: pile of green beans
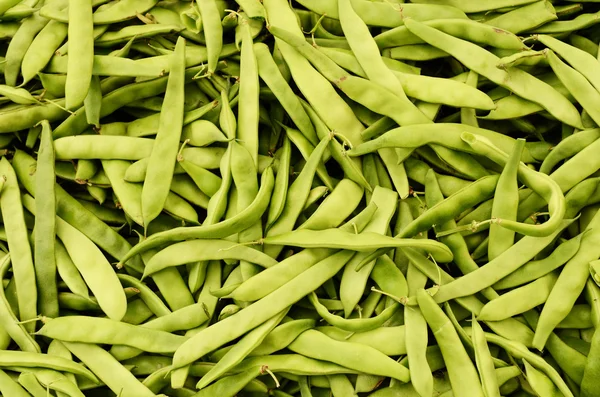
{"x": 310, "y": 198}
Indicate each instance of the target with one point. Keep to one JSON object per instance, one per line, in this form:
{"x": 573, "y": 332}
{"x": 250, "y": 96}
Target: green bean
{"x": 109, "y": 370}
{"x": 505, "y": 204}
{"x": 316, "y": 345}
{"x": 202, "y": 133}
{"x": 336, "y": 114}
{"x": 525, "y": 18}
{"x": 367, "y": 53}
{"x": 281, "y": 183}
{"x": 211, "y": 21}
{"x": 81, "y": 42}
{"x": 229, "y": 386}
{"x": 218, "y": 230}
{"x": 584, "y": 44}
{"x": 42, "y": 48}
{"x": 17, "y": 47}
{"x": 270, "y": 279}
{"x": 539, "y": 382}
{"x": 202, "y": 250}
{"x": 541, "y": 184}
{"x": 296, "y": 197}
{"x": 363, "y": 242}
{"x": 568, "y": 147}
{"x": 100, "y": 331}
{"x": 249, "y": 90}
{"x": 45, "y": 264}
{"x": 9, "y": 321}
{"x": 581, "y": 21}
{"x": 9, "y": 358}
{"x": 18, "y": 243}
{"x": 504, "y": 264}
{"x": 106, "y": 147}
{"x": 578, "y": 85}
{"x": 539, "y": 268}
{"x": 346, "y": 192}
{"x": 93, "y": 266}
{"x": 462, "y": 372}
{"x": 238, "y": 352}
{"x": 571, "y": 361}
{"x": 159, "y": 176}
{"x": 353, "y": 325}
{"x": 485, "y": 364}
{"x": 385, "y": 14}
{"x": 514, "y": 79}
{"x": 519, "y": 300}
{"x": 479, "y": 6}
{"x": 415, "y": 136}
{"x": 30, "y": 383}
{"x": 270, "y": 304}
{"x": 570, "y": 282}
{"x": 68, "y": 271}
{"x": 591, "y": 368}
{"x": 465, "y": 29}
{"x": 380, "y": 99}
{"x": 111, "y": 66}
{"x": 10, "y": 387}
{"x": 454, "y": 241}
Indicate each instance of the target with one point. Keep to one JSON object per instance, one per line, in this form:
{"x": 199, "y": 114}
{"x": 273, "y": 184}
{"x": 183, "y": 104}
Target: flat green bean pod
{"x": 444, "y": 134}
{"x": 363, "y": 242}
{"x": 516, "y": 80}
{"x": 385, "y": 14}
{"x": 461, "y": 28}
{"x": 204, "y": 249}
{"x": 519, "y": 254}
